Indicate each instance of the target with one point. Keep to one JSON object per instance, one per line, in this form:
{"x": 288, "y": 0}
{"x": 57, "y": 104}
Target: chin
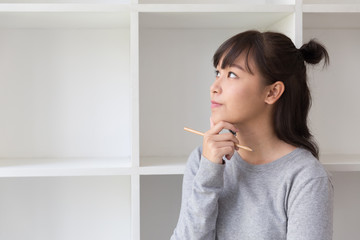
{"x": 217, "y": 119}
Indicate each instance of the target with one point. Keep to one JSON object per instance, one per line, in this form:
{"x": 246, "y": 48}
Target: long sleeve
{"x": 310, "y": 212}
{"x": 202, "y": 183}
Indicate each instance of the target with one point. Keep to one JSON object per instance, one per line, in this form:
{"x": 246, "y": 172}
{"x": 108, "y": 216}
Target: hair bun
{"x": 313, "y": 52}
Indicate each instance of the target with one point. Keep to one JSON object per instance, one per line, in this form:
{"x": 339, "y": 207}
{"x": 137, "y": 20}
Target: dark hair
{"x": 277, "y": 59}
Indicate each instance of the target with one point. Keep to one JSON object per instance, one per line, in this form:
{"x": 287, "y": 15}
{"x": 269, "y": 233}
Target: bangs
{"x": 230, "y": 50}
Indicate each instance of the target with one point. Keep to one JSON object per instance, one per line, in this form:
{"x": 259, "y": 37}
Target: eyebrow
{"x": 237, "y": 66}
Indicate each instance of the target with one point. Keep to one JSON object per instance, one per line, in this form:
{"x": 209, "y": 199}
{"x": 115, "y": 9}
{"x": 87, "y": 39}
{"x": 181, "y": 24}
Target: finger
{"x": 217, "y": 146}
{"x": 225, "y": 137}
{"x": 220, "y": 144}
{"x": 217, "y": 128}
{"x": 227, "y": 151}
{"x": 218, "y": 150}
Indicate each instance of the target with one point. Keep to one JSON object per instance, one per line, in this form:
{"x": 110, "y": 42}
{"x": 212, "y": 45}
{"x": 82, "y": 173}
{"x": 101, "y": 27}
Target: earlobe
{"x": 274, "y": 92}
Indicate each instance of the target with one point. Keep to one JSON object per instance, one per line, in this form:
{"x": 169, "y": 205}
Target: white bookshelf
{"x": 65, "y": 145}
{"x": 95, "y": 95}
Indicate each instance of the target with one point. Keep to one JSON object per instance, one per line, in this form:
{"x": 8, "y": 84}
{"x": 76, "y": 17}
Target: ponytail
{"x": 313, "y": 52}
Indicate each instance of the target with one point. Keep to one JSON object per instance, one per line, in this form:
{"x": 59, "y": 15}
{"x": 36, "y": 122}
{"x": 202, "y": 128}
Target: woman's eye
{"x": 232, "y": 75}
{"x": 217, "y": 73}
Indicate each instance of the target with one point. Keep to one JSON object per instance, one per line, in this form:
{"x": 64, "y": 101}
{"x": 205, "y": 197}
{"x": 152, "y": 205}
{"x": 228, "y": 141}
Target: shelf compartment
{"x": 66, "y": 208}
{"x": 160, "y": 206}
{"x": 346, "y": 201}
{"x": 167, "y": 59}
{"x": 334, "y": 114}
{"x": 64, "y": 167}
{"x": 178, "y": 59}
{"x": 65, "y": 93}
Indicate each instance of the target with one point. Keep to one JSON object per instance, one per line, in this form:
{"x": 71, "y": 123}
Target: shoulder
{"x": 310, "y": 188}
{"x": 304, "y": 164}
{"x": 304, "y": 168}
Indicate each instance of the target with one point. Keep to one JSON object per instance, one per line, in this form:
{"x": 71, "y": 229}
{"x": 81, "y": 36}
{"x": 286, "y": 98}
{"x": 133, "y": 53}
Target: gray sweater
{"x": 290, "y": 198}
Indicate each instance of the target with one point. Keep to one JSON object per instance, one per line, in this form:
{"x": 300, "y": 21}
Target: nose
{"x": 215, "y": 87}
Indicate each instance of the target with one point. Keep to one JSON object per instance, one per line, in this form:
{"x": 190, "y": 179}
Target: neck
{"x": 261, "y": 137}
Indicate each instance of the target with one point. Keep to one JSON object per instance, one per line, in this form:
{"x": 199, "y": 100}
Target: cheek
{"x": 240, "y": 97}
{"x": 245, "y": 102}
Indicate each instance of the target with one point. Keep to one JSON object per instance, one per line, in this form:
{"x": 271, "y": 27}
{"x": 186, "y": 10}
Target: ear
{"x": 274, "y": 92}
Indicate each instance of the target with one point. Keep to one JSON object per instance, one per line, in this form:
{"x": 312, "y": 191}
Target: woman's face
{"x": 237, "y": 96}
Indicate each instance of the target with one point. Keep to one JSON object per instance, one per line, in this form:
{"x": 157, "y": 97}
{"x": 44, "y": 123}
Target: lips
{"x": 215, "y": 104}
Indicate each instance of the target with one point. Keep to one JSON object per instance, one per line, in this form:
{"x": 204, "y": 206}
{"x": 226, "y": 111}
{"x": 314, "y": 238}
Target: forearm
{"x": 199, "y": 209}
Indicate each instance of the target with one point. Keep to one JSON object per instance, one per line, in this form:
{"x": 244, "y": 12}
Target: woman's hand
{"x": 216, "y": 145}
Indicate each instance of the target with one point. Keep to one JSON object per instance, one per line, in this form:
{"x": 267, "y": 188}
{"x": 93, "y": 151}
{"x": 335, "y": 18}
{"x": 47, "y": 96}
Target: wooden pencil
{"x": 202, "y": 134}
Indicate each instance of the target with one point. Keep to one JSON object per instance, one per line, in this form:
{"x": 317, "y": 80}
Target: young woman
{"x": 278, "y": 191}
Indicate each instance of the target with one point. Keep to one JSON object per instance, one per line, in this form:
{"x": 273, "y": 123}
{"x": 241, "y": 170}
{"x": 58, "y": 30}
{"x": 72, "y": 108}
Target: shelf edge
{"x": 173, "y": 170}
{"x": 62, "y": 7}
{"x": 331, "y": 8}
{"x": 214, "y": 8}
